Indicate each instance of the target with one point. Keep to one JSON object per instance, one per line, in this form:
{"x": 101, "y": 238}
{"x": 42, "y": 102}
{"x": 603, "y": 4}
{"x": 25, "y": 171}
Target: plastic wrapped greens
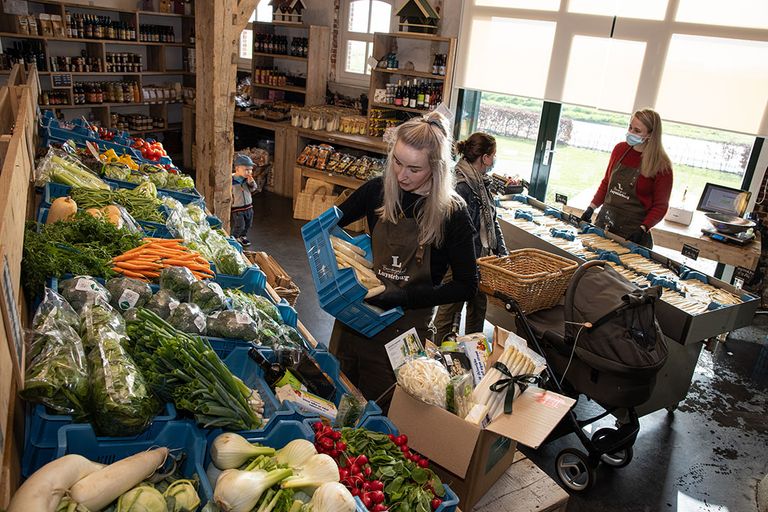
{"x": 178, "y": 280}
{"x": 162, "y": 303}
{"x": 122, "y": 403}
{"x": 55, "y": 309}
{"x": 252, "y": 304}
{"x": 290, "y": 336}
{"x": 98, "y": 316}
{"x": 57, "y": 375}
{"x": 208, "y": 295}
{"x": 128, "y": 293}
{"x": 82, "y": 290}
{"x": 188, "y": 318}
{"x": 130, "y": 315}
{"x": 233, "y": 324}
{"x": 227, "y": 258}
{"x": 198, "y": 215}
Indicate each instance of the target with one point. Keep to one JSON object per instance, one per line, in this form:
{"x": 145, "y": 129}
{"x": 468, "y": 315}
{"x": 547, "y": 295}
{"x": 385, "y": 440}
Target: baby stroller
{"x": 604, "y": 343}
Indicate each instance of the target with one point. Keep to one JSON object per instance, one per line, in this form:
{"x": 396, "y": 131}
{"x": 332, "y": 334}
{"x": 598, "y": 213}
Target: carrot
{"x": 129, "y": 273}
{"x": 138, "y": 266}
{"x": 177, "y": 263}
{"x": 152, "y": 239}
{"x": 151, "y": 274}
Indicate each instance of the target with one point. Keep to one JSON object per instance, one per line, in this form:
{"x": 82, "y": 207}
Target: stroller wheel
{"x": 617, "y": 459}
{"x": 574, "y": 470}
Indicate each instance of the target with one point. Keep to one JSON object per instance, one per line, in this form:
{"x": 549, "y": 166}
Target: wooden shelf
{"x": 105, "y": 73}
{"x": 279, "y": 56}
{"x": 402, "y": 109}
{"x": 287, "y": 88}
{"x": 83, "y": 40}
{"x": 282, "y": 24}
{"x": 363, "y": 142}
{"x": 415, "y": 35}
{"x": 171, "y": 128}
{"x": 166, "y": 14}
{"x": 405, "y": 72}
{"x": 105, "y": 105}
{"x": 244, "y": 118}
{"x": 330, "y": 177}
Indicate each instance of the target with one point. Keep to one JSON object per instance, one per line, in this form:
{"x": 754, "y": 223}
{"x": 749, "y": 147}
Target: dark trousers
{"x": 241, "y": 222}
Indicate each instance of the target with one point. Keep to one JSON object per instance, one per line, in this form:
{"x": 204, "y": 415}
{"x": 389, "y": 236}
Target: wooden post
{"x": 218, "y": 24}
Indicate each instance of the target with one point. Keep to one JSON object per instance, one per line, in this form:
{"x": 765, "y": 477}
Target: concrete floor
{"x": 706, "y": 456}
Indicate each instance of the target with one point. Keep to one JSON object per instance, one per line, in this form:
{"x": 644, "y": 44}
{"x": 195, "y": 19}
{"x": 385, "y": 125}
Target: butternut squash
{"x": 62, "y": 208}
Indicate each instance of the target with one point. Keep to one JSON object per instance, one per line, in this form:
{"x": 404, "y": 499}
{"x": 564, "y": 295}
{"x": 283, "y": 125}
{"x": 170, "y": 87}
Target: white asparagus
{"x": 354, "y": 264}
{"x": 366, "y": 278}
{"x": 372, "y": 292}
{"x": 353, "y": 257}
{"x": 43, "y": 491}
{"x": 101, "y": 488}
{"x": 350, "y": 246}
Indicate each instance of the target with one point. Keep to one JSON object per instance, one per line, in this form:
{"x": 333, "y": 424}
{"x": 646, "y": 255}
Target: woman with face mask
{"x": 478, "y": 156}
{"x": 419, "y": 229}
{"x": 635, "y": 191}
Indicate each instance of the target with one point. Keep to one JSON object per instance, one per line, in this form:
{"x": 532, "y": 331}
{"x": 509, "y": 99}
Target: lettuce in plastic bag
{"x": 233, "y": 324}
{"x": 128, "y": 293}
{"x": 54, "y": 309}
{"x": 188, "y": 318}
{"x": 82, "y": 290}
{"x": 163, "y": 303}
{"x": 208, "y": 295}
{"x": 178, "y": 280}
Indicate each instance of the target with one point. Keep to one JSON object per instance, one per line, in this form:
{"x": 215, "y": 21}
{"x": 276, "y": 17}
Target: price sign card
{"x": 690, "y": 251}
{"x": 404, "y": 347}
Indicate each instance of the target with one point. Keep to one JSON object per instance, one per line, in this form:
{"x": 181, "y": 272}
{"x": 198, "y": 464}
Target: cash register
{"x": 724, "y": 208}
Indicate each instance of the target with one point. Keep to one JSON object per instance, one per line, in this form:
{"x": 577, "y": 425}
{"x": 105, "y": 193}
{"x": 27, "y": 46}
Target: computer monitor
{"x": 720, "y": 199}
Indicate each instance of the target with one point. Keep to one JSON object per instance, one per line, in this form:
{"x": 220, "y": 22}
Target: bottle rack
{"x": 420, "y": 50}
{"x": 311, "y": 70}
{"x": 160, "y": 61}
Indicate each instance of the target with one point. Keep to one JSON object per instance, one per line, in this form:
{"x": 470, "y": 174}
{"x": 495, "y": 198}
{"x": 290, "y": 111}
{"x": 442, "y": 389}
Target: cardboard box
{"x": 679, "y": 216}
{"x": 468, "y": 458}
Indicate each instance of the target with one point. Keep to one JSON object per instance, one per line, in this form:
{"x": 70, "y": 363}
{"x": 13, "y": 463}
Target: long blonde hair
{"x": 655, "y": 158}
{"x": 429, "y": 132}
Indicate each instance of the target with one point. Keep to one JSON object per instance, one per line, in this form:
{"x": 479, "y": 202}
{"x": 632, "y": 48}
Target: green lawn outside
{"x": 577, "y": 172}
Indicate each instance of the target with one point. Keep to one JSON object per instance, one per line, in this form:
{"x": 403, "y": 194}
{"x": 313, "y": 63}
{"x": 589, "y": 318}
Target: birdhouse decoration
{"x": 418, "y": 16}
{"x": 287, "y": 11}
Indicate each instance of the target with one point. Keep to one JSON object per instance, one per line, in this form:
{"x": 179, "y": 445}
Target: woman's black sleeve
{"x": 460, "y": 248}
{"x": 361, "y": 202}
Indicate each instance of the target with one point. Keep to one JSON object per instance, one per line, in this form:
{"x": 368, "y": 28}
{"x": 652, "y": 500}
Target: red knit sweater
{"x": 653, "y": 193}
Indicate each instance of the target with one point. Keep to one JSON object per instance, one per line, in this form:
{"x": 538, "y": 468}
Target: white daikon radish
{"x": 101, "y": 488}
{"x": 43, "y": 491}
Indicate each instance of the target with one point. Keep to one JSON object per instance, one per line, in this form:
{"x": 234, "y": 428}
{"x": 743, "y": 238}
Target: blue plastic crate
{"x": 250, "y": 373}
{"x": 184, "y": 198}
{"x": 176, "y": 435}
{"x": 339, "y": 292}
{"x": 284, "y": 432}
{"x": 41, "y": 429}
{"x": 253, "y": 280}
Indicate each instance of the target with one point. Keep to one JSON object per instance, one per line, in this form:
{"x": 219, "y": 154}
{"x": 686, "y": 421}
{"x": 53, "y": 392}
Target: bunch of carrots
{"x": 154, "y": 254}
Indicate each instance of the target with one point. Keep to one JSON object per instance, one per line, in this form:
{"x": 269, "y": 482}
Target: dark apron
{"x": 398, "y": 260}
{"x": 622, "y": 212}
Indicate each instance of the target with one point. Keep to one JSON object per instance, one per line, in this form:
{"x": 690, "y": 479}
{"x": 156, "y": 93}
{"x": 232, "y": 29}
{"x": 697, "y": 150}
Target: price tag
{"x": 690, "y": 251}
{"x": 673, "y": 266}
{"x": 574, "y": 219}
{"x": 744, "y": 274}
{"x": 561, "y": 198}
{"x": 61, "y": 80}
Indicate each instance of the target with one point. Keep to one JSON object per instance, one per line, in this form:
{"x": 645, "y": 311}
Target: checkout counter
{"x": 686, "y": 319}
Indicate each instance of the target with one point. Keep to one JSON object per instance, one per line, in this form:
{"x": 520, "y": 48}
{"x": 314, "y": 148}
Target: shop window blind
{"x": 622, "y": 56}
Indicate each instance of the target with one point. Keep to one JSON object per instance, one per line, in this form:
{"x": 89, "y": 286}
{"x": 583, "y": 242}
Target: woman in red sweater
{"x": 635, "y": 190}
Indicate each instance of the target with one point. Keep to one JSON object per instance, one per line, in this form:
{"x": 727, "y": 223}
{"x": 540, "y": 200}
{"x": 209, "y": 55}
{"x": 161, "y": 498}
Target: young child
{"x": 243, "y": 186}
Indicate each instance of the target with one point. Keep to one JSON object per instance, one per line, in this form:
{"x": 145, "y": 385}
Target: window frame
{"x": 342, "y": 75}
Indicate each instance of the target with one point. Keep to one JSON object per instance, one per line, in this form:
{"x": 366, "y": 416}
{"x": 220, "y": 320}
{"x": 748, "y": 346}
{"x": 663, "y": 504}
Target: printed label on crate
{"x": 307, "y": 401}
{"x": 128, "y": 299}
{"x": 403, "y": 348}
{"x": 690, "y": 251}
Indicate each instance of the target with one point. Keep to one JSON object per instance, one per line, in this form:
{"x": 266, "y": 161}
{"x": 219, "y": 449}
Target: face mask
{"x": 493, "y": 164}
{"x": 634, "y": 140}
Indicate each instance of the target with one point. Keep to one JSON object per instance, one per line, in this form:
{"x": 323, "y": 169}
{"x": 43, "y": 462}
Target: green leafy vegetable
{"x": 82, "y": 246}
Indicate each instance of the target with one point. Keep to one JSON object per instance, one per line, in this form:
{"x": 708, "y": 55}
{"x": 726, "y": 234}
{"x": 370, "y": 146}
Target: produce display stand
{"x": 685, "y": 332}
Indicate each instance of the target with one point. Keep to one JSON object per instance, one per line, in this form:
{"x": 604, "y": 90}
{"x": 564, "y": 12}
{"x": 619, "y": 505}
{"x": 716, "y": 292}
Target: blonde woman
{"x": 420, "y": 229}
{"x": 638, "y": 182}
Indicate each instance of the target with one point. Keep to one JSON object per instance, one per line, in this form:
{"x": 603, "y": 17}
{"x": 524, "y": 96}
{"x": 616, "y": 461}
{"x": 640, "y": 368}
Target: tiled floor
{"x": 706, "y": 456}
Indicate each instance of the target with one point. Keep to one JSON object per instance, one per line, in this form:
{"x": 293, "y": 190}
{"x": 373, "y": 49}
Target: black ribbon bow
{"x": 509, "y": 383}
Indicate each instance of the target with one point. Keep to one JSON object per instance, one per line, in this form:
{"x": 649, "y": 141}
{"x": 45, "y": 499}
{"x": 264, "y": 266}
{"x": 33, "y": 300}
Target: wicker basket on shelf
{"x": 535, "y": 279}
{"x": 277, "y": 277}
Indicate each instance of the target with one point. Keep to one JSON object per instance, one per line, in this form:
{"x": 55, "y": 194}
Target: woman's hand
{"x": 390, "y": 298}
{"x": 587, "y": 215}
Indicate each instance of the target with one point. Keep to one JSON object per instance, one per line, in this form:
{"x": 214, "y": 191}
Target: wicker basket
{"x": 535, "y": 279}
{"x": 277, "y": 277}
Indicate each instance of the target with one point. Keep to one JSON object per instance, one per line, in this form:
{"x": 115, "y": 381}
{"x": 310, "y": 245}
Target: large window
{"x": 359, "y": 20}
{"x": 263, "y": 12}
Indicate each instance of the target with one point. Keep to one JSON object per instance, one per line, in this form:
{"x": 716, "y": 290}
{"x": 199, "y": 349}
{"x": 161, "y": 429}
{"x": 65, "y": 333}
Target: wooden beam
{"x": 218, "y": 24}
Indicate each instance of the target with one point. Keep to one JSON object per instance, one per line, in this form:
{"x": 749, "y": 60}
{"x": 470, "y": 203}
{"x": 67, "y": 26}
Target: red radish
{"x": 435, "y": 503}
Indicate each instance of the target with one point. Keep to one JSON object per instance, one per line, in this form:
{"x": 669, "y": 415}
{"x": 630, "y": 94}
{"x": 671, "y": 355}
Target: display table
{"x": 673, "y": 236}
